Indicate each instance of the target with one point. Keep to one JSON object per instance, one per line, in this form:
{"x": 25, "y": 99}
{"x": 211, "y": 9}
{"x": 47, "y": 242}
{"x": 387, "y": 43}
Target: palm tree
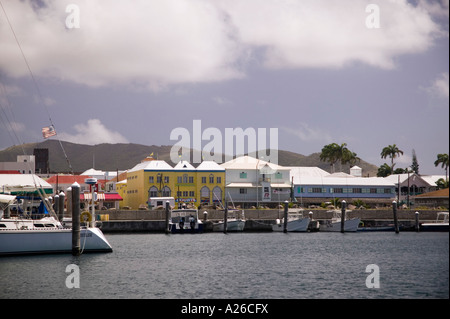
{"x": 443, "y": 160}
{"x": 329, "y": 154}
{"x": 384, "y": 170}
{"x": 391, "y": 151}
{"x": 333, "y": 153}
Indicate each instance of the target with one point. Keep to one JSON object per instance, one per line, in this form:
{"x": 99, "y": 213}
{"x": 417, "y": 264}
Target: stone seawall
{"x": 256, "y": 220}
{"x": 272, "y": 214}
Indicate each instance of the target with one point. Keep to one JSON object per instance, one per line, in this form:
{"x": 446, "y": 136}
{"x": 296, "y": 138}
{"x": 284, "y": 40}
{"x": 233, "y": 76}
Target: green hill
{"x": 111, "y": 157}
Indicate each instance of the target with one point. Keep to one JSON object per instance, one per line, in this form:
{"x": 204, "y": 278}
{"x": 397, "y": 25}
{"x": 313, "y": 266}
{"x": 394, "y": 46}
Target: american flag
{"x": 48, "y": 131}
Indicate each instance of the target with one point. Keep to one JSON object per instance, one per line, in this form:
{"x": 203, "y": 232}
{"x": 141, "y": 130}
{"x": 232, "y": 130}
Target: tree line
{"x": 334, "y": 153}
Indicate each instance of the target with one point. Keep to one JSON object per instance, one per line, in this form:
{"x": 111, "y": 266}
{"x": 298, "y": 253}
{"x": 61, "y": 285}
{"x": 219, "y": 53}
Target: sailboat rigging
{"x": 23, "y": 234}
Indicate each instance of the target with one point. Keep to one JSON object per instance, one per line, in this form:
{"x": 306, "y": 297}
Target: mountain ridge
{"x": 123, "y": 156}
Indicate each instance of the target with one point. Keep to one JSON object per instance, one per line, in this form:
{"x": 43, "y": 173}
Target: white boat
{"x": 334, "y": 225}
{"x": 21, "y": 236}
{"x": 235, "y": 222}
{"x": 440, "y": 224}
{"x": 296, "y": 223}
{"x": 44, "y": 236}
{"x": 185, "y": 221}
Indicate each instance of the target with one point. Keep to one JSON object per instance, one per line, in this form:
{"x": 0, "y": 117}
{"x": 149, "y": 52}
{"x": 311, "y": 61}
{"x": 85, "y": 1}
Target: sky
{"x": 365, "y": 73}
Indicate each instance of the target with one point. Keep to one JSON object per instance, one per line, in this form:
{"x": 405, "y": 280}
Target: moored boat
{"x": 295, "y": 223}
{"x": 235, "y": 222}
{"x": 440, "y": 224}
{"x": 185, "y": 221}
{"x": 46, "y": 235}
{"x": 334, "y": 225}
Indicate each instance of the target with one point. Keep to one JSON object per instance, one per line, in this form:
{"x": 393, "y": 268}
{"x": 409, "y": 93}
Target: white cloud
{"x": 221, "y": 100}
{"x": 308, "y": 134}
{"x": 440, "y": 87}
{"x": 92, "y": 133}
{"x": 150, "y": 44}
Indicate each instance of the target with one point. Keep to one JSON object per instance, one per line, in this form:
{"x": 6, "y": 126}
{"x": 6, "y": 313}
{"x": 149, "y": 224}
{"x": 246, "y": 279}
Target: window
{"x": 243, "y": 175}
{"x": 185, "y": 193}
{"x": 166, "y": 179}
{"x": 211, "y": 179}
{"x": 373, "y": 190}
{"x": 158, "y": 178}
{"x": 242, "y": 190}
{"x": 387, "y": 191}
{"x": 316, "y": 190}
{"x": 219, "y": 179}
{"x": 153, "y": 192}
{"x": 191, "y": 194}
{"x": 338, "y": 190}
{"x": 185, "y": 178}
{"x": 300, "y": 189}
{"x": 203, "y": 180}
{"x": 191, "y": 179}
{"x": 151, "y": 179}
{"x": 166, "y": 192}
{"x": 357, "y": 190}
{"x": 179, "y": 179}
{"x": 278, "y": 175}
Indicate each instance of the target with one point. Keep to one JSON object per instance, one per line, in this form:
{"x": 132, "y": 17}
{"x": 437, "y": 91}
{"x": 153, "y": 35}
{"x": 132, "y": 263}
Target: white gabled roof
{"x": 184, "y": 165}
{"x": 300, "y": 172}
{"x": 251, "y": 163}
{"x": 156, "y": 165}
{"x": 210, "y": 166}
{"x": 92, "y": 172}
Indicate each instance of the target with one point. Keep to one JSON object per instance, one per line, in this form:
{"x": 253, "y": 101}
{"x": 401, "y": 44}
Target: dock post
{"x": 205, "y": 216}
{"x": 167, "y": 229}
{"x": 225, "y": 219}
{"x": 417, "y": 221}
{"x": 61, "y": 200}
{"x": 285, "y": 216}
{"x": 394, "y": 208}
{"x": 69, "y": 202}
{"x": 343, "y": 204}
{"x": 56, "y": 205}
{"x": 76, "y": 219}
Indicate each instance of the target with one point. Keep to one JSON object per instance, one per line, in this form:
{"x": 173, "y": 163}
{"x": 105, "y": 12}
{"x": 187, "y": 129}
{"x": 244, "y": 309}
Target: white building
{"x": 253, "y": 182}
{"x": 25, "y": 164}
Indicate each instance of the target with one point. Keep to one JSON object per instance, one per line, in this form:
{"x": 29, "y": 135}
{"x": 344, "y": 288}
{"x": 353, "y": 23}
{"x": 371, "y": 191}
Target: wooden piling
{"x": 56, "y": 205}
{"x": 167, "y": 226}
{"x": 69, "y": 202}
{"x": 225, "y": 219}
{"x": 76, "y": 248}
{"x": 343, "y": 205}
{"x": 285, "y": 216}
{"x": 417, "y": 221}
{"x": 394, "y": 209}
{"x": 60, "y": 211}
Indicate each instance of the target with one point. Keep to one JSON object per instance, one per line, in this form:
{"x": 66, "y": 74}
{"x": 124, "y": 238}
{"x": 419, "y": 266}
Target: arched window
{"x": 153, "y": 192}
{"x": 166, "y": 191}
{"x": 204, "y": 194}
{"x": 217, "y": 194}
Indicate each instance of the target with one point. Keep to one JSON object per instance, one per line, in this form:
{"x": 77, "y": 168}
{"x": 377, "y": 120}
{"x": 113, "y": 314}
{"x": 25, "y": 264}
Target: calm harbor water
{"x": 241, "y": 266}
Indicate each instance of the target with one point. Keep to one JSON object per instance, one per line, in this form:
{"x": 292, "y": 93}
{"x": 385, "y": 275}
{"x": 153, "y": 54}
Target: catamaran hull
{"x": 350, "y": 225}
{"x": 234, "y": 225}
{"x": 299, "y": 225}
{"x": 24, "y": 242}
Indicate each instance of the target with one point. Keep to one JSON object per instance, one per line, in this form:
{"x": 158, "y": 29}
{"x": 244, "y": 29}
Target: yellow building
{"x": 187, "y": 184}
{"x": 210, "y": 187}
